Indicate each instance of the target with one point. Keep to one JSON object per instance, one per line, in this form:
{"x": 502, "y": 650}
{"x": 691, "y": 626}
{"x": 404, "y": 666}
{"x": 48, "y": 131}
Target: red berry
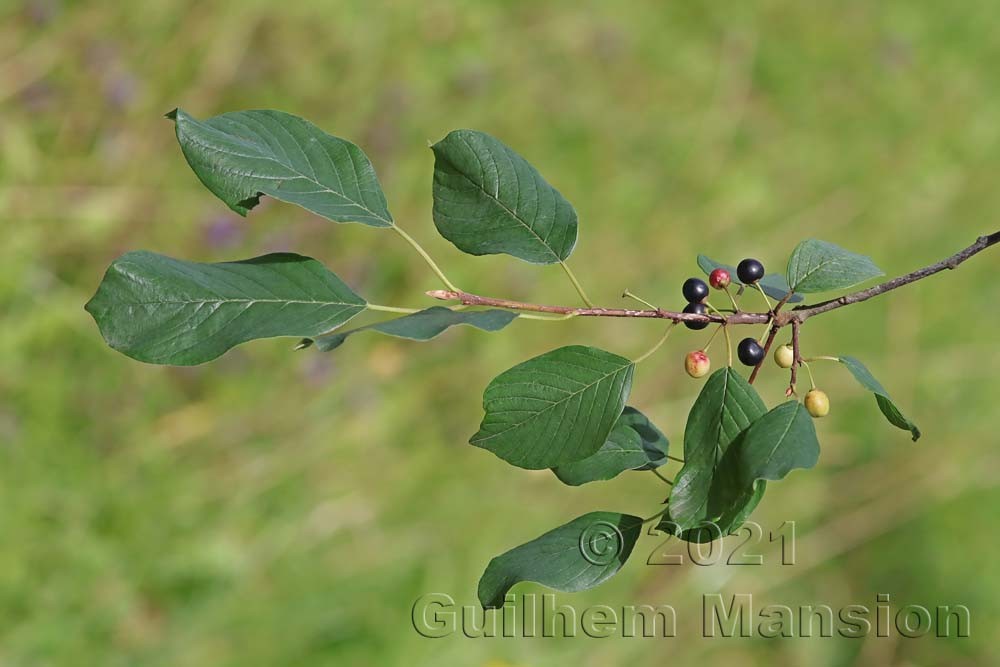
{"x": 697, "y": 364}
{"x": 719, "y": 279}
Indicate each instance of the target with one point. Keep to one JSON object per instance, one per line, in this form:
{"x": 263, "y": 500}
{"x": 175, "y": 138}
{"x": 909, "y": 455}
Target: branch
{"x": 657, "y": 313}
{"x": 767, "y": 348}
{"x": 802, "y": 313}
{"x": 796, "y": 358}
{"x": 798, "y": 314}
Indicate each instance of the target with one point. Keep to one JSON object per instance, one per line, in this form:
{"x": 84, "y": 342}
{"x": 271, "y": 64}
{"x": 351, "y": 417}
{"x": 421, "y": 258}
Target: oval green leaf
{"x": 576, "y": 556}
{"x": 818, "y": 266}
{"x": 633, "y": 444}
{"x": 556, "y": 408}
{"x": 167, "y": 311}
{"x": 882, "y": 398}
{"x": 242, "y": 155}
{"x": 490, "y": 200}
{"x": 723, "y": 411}
{"x": 777, "y": 443}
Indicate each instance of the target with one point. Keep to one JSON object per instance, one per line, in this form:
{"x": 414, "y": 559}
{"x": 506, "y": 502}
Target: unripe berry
{"x": 700, "y": 309}
{"x": 697, "y": 364}
{"x": 719, "y": 279}
{"x": 784, "y": 356}
{"x": 749, "y": 271}
{"x": 817, "y": 403}
{"x": 695, "y": 290}
{"x": 750, "y": 352}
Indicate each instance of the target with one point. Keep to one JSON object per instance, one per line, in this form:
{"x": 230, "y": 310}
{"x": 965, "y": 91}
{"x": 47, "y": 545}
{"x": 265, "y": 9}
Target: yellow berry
{"x": 817, "y": 403}
{"x": 784, "y": 356}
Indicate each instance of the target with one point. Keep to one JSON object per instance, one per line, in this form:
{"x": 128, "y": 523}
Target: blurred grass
{"x": 279, "y": 508}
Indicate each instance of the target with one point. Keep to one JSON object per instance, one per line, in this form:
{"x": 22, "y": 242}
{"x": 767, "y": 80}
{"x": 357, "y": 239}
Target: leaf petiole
{"x": 427, "y": 258}
{"x": 545, "y": 318}
{"x": 576, "y": 283}
{"x": 657, "y": 515}
{"x": 392, "y": 309}
{"x": 657, "y": 473}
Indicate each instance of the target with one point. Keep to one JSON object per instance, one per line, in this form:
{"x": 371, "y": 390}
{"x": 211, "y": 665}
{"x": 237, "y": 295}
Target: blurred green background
{"x": 280, "y": 508}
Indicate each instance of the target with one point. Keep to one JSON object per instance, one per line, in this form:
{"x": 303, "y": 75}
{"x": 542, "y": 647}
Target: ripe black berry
{"x": 695, "y": 290}
{"x": 750, "y": 352}
{"x": 700, "y": 309}
{"x": 749, "y": 271}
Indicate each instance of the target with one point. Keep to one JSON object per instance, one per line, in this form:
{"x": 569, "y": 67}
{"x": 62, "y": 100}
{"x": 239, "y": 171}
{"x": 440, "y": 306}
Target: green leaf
{"x": 633, "y": 444}
{"x": 556, "y": 408}
{"x": 489, "y": 200}
{"x": 773, "y": 445}
{"x": 242, "y": 155}
{"x": 773, "y": 284}
{"x": 423, "y": 325}
{"x": 882, "y": 398}
{"x": 739, "y": 505}
{"x": 818, "y": 266}
{"x": 777, "y": 443}
{"x": 576, "y": 556}
{"x": 167, "y": 311}
{"x": 723, "y": 411}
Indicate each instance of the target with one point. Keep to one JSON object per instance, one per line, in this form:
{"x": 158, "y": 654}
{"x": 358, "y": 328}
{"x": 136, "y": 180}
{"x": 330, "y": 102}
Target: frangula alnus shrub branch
{"x": 777, "y": 319}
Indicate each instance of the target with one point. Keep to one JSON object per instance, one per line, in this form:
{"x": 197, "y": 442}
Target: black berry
{"x": 750, "y": 352}
{"x": 700, "y": 309}
{"x": 695, "y": 290}
{"x": 749, "y": 271}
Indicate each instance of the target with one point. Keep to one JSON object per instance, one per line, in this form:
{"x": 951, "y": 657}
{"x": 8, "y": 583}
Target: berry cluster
{"x": 750, "y": 351}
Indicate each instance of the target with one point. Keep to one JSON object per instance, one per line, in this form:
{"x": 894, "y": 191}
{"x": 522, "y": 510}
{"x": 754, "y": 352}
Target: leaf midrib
{"x": 788, "y": 427}
{"x": 251, "y": 301}
{"x": 502, "y": 205}
{"x": 832, "y": 260}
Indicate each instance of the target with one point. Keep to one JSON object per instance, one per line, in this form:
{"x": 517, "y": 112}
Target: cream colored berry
{"x": 817, "y": 403}
{"x": 784, "y": 356}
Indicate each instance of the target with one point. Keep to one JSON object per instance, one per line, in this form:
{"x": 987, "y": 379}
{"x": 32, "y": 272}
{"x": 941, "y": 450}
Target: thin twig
{"x": 654, "y": 313}
{"x": 796, "y": 358}
{"x": 767, "y": 348}
{"x": 657, "y": 473}
{"x": 801, "y": 313}
{"x": 778, "y": 320}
